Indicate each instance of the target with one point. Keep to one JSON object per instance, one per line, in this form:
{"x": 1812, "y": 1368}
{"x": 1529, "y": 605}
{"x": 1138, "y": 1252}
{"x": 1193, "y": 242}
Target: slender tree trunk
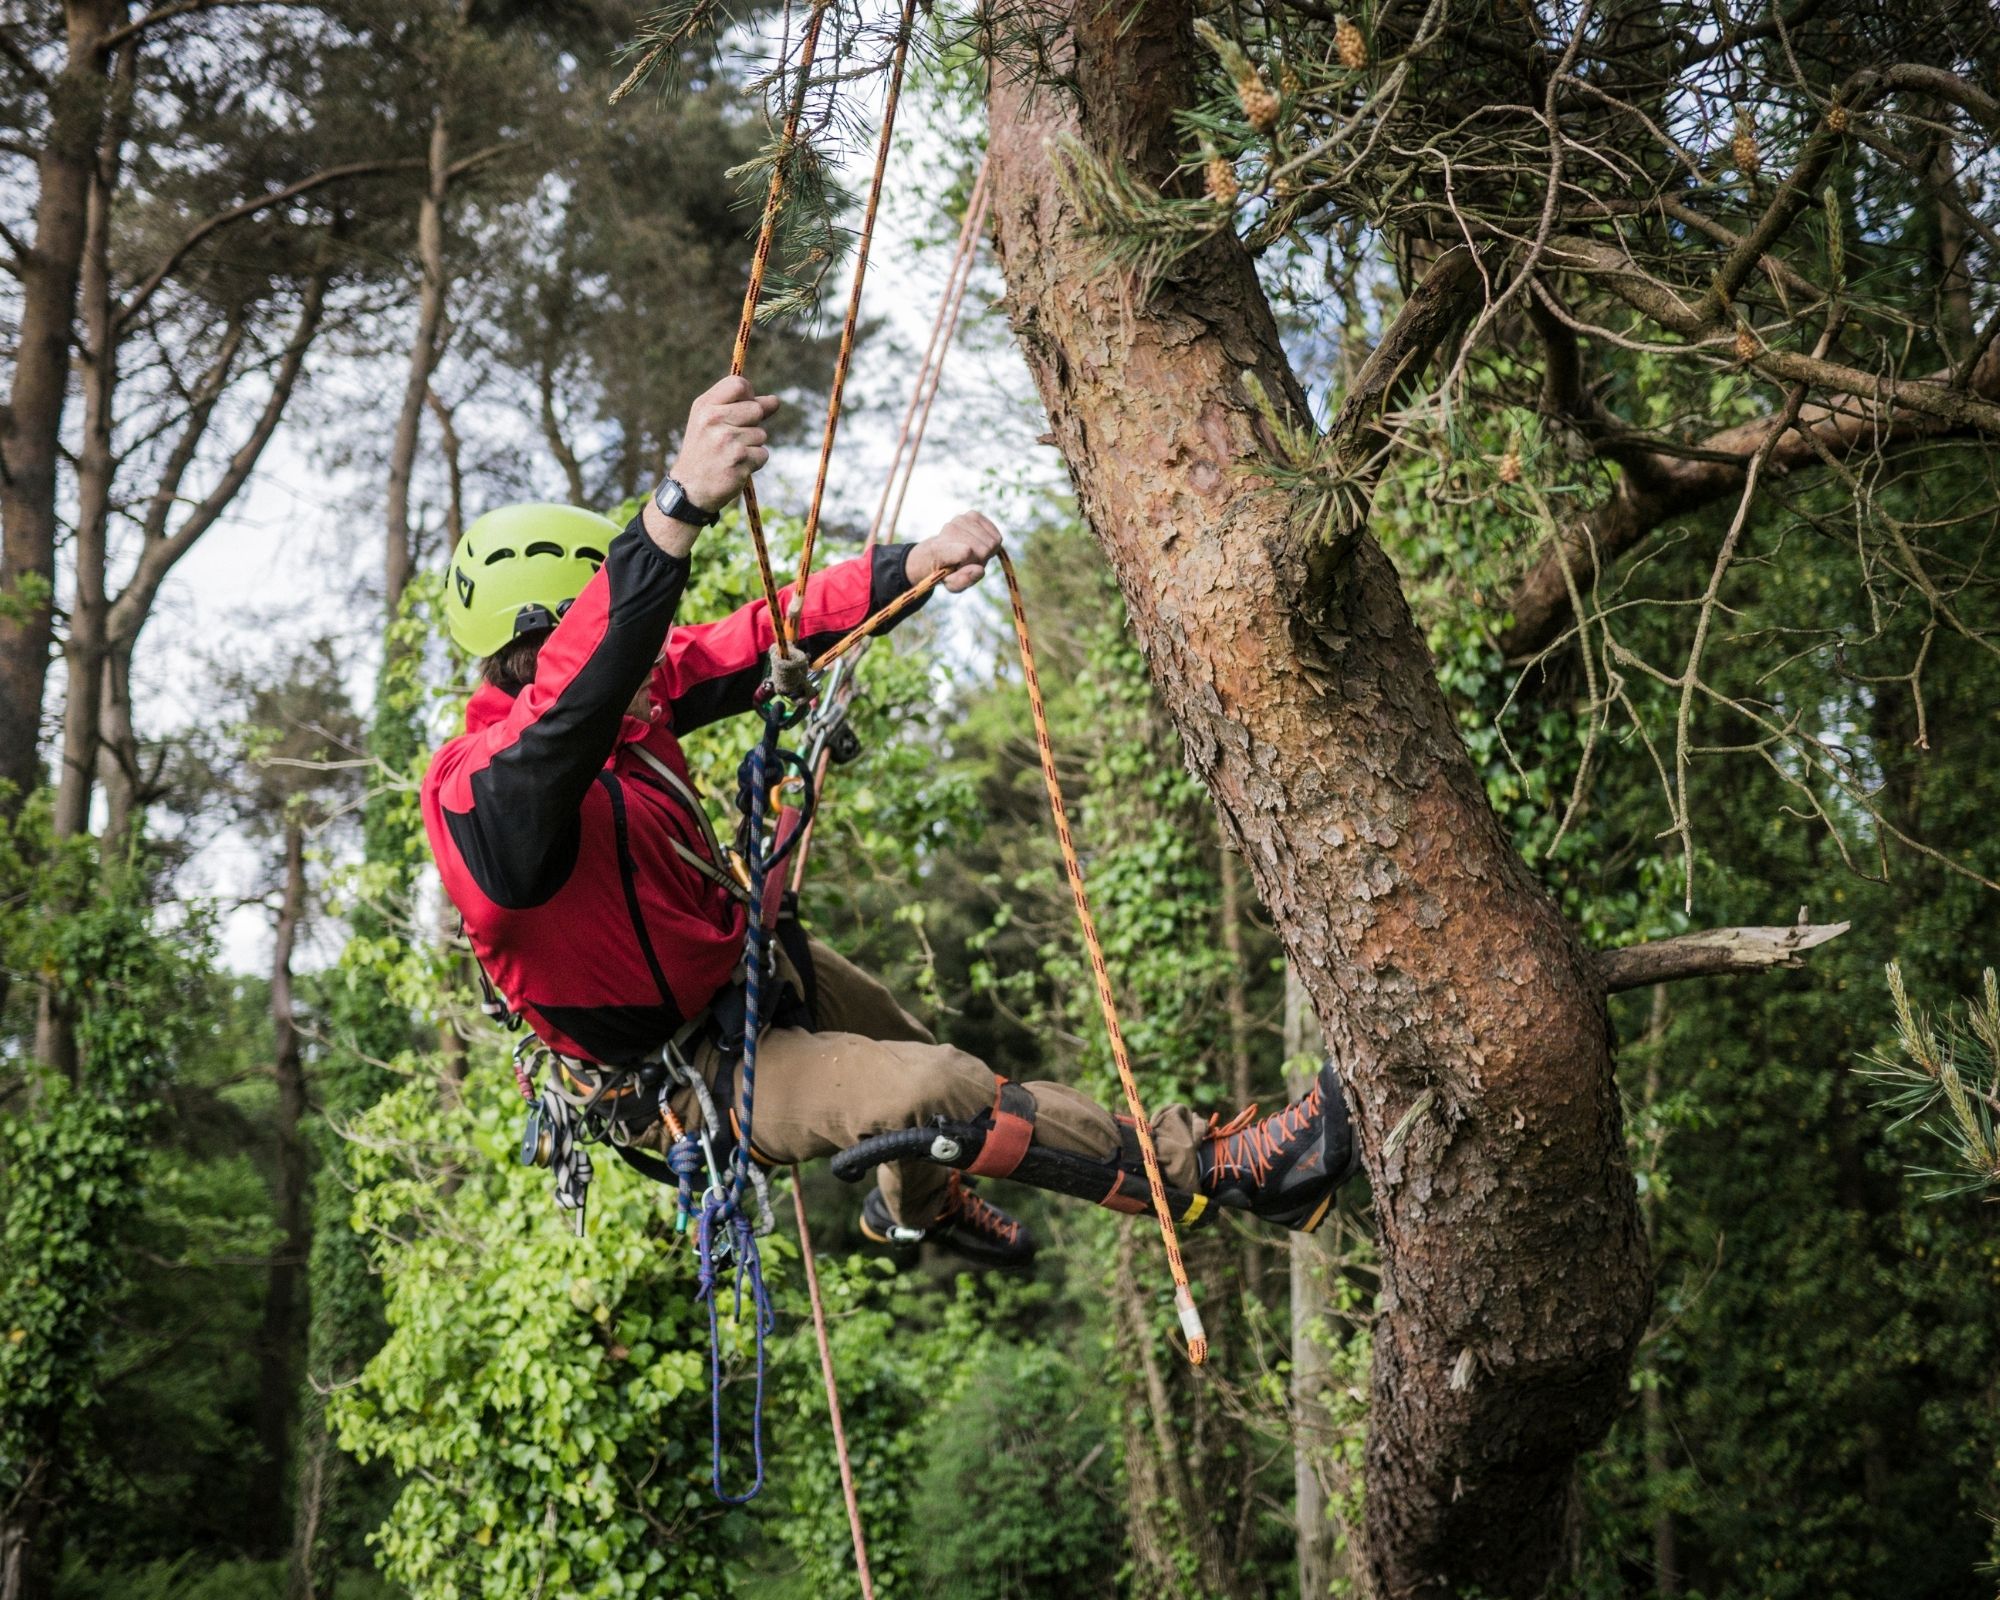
{"x": 1652, "y": 1403}
{"x": 126, "y": 787}
{"x": 399, "y": 559}
{"x": 31, "y": 430}
{"x": 1175, "y": 1497}
{"x": 1954, "y": 282}
{"x": 85, "y": 648}
{"x": 1457, "y": 1000}
{"x": 1236, "y": 1005}
{"x": 30, "y": 1527}
{"x": 279, "y": 1335}
{"x": 1317, "y": 1534}
{"x": 552, "y": 431}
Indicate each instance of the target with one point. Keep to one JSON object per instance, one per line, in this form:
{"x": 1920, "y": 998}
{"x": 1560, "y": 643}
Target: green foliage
{"x": 542, "y": 1399}
{"x": 73, "y": 1160}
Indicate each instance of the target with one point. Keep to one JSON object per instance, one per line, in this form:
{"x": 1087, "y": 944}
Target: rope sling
{"x": 787, "y": 696}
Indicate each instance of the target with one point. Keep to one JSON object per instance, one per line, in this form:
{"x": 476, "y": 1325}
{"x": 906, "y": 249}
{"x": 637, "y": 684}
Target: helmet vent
{"x": 502, "y": 554}
{"x": 594, "y": 557}
{"x": 544, "y": 547}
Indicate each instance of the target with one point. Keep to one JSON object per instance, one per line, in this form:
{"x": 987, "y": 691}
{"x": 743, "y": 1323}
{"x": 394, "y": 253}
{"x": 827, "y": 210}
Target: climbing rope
{"x": 839, "y": 694}
{"x": 760, "y": 259}
{"x": 1190, "y": 1315}
{"x": 1184, "y": 1306}
{"x": 980, "y": 202}
{"x": 786, "y": 623}
{"x": 846, "y": 353}
{"x": 944, "y": 326}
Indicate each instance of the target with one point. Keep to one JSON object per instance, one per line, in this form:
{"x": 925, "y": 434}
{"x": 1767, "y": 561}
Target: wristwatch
{"x": 673, "y": 501}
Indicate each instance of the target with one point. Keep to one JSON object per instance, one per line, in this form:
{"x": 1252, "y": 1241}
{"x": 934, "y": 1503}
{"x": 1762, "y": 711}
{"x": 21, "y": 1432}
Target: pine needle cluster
{"x": 1944, "y": 1077}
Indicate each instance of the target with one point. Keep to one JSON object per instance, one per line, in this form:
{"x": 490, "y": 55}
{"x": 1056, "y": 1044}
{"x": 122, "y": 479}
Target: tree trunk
{"x": 1458, "y": 1001}
{"x": 400, "y": 551}
{"x": 85, "y": 649}
{"x": 31, "y": 430}
{"x": 30, "y": 1529}
{"x": 279, "y": 1336}
{"x": 126, "y": 786}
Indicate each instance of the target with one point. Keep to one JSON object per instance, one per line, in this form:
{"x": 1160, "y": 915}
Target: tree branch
{"x": 249, "y": 208}
{"x": 1427, "y": 317}
{"x": 1647, "y": 294}
{"x": 180, "y": 8}
{"x": 1711, "y": 953}
{"x": 129, "y": 611}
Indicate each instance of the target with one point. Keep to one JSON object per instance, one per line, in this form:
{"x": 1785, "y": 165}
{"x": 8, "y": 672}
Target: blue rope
{"x": 721, "y": 1209}
{"x": 726, "y": 1209}
{"x": 756, "y": 950}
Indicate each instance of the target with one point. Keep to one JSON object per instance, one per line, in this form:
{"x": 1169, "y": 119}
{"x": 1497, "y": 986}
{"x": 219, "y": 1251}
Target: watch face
{"x": 673, "y": 501}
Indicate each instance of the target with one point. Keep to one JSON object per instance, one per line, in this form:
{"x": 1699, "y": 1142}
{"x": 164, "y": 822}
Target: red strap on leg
{"x": 1012, "y": 1132}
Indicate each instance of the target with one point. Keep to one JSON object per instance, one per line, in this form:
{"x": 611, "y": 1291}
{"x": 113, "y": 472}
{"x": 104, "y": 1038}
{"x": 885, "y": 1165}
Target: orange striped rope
{"x": 832, "y": 1389}
{"x": 894, "y": 609}
{"x": 760, "y": 259}
{"x": 789, "y": 626}
{"x": 1190, "y": 1316}
{"x": 1184, "y": 1306}
{"x": 947, "y": 312}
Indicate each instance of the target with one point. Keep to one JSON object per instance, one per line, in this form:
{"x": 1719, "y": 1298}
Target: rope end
{"x": 1191, "y": 1326}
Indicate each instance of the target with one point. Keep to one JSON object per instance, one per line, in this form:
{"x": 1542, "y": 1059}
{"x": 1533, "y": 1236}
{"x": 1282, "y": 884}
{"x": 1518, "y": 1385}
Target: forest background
{"x": 278, "y": 1312}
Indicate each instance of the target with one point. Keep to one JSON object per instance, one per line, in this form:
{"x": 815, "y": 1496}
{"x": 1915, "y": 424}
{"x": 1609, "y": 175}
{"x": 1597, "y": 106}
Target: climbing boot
{"x": 1285, "y": 1168}
{"x": 967, "y": 1224}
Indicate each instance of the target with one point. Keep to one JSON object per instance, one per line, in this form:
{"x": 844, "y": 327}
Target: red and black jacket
{"x": 556, "y": 840}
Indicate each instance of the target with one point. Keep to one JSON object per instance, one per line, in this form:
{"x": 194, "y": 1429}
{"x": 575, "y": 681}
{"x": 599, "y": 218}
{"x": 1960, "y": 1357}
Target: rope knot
{"x": 791, "y": 672}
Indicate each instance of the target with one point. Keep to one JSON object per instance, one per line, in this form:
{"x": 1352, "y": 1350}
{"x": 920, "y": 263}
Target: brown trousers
{"x": 872, "y": 1068}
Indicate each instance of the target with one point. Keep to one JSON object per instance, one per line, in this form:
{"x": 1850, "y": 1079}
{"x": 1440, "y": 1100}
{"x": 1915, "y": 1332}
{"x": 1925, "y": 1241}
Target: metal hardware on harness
{"x": 551, "y": 1140}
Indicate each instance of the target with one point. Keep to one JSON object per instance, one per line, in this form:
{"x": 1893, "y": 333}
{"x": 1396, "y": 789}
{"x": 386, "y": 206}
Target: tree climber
{"x": 598, "y": 902}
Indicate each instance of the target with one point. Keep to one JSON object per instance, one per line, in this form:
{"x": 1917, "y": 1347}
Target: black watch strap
{"x": 675, "y": 502}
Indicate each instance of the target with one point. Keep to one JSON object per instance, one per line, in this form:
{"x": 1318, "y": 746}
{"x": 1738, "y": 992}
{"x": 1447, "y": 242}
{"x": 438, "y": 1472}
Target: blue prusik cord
{"x": 727, "y": 1208}
{"x": 718, "y": 1208}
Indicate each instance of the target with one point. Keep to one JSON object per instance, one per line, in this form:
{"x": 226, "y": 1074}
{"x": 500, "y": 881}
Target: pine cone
{"x": 1219, "y": 178}
{"x": 1290, "y": 84}
{"x": 1746, "y": 343}
{"x": 1352, "y": 48}
{"x": 1259, "y": 104}
{"x": 1744, "y": 146}
{"x": 1510, "y": 465}
{"x": 1836, "y": 119}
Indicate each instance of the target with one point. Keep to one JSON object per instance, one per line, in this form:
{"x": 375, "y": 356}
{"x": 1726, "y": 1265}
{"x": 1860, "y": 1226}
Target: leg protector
{"x": 999, "y": 1143}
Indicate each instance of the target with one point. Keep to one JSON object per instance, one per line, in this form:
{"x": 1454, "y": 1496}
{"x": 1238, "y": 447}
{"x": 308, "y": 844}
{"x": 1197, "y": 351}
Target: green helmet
{"x": 517, "y": 568}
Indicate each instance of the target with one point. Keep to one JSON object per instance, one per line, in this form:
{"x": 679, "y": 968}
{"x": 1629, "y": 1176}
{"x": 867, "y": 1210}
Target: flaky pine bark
{"x": 1460, "y": 1006}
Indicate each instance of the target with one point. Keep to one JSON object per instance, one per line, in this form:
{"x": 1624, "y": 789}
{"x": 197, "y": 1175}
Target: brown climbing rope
{"x": 753, "y": 292}
{"x": 944, "y": 326}
{"x": 790, "y": 626}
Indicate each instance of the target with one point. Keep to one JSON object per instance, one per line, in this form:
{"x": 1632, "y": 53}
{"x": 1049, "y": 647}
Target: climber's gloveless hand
{"x": 962, "y": 547}
{"x": 725, "y": 442}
